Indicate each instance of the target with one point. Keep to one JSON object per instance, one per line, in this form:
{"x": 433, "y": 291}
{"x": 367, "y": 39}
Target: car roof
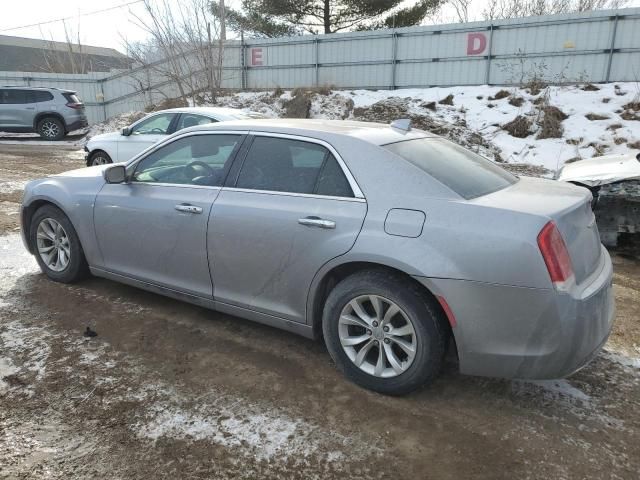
{"x": 376, "y": 133}
{"x": 27, "y": 87}
{"x": 218, "y": 112}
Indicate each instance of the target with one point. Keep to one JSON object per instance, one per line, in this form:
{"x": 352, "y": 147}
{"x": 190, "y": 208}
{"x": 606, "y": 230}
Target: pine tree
{"x": 274, "y": 18}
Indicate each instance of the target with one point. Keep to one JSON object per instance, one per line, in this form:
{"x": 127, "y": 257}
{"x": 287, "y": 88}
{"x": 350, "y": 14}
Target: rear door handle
{"x": 183, "y": 207}
{"x": 317, "y": 222}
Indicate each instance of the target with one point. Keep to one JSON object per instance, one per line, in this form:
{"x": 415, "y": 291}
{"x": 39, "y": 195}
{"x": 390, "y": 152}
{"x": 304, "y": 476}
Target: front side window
{"x": 189, "y": 120}
{"x": 155, "y": 125}
{"x": 466, "y": 173}
{"x": 283, "y": 165}
{"x": 13, "y": 96}
{"x": 193, "y": 160}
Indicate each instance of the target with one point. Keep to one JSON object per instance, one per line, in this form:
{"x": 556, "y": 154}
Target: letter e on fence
{"x": 476, "y": 43}
{"x": 256, "y": 57}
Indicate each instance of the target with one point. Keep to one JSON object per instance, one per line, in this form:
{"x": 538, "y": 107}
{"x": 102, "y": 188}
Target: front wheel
{"x": 383, "y": 332}
{"x": 99, "y": 158}
{"x": 56, "y": 246}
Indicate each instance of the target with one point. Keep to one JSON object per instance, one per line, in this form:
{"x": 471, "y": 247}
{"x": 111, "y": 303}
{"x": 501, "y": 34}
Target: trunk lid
{"x": 567, "y": 205}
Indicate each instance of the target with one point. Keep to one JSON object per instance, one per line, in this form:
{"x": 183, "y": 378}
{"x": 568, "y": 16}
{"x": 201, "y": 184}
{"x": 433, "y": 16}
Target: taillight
{"x": 75, "y": 106}
{"x": 556, "y": 256}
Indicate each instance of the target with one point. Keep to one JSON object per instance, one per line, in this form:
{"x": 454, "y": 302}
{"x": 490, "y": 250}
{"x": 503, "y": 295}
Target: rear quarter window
{"x": 466, "y": 173}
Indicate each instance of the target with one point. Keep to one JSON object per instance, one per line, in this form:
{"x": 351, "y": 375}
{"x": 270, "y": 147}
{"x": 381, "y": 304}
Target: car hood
{"x": 602, "y": 170}
{"x": 85, "y": 172}
{"x": 111, "y": 136}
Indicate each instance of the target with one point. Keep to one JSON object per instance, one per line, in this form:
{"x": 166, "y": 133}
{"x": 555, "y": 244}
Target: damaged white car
{"x": 614, "y": 181}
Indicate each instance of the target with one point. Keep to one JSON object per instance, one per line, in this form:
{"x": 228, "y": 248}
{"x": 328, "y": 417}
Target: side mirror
{"x": 126, "y": 131}
{"x": 115, "y": 174}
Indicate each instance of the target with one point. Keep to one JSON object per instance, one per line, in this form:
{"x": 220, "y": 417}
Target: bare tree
{"x": 182, "y": 47}
{"x": 67, "y": 56}
{"x": 499, "y": 9}
{"x": 461, "y": 8}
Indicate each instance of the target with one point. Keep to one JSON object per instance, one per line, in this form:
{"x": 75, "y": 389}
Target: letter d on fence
{"x": 476, "y": 43}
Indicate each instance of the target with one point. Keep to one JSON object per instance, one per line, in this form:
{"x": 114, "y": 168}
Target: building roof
{"x": 7, "y": 40}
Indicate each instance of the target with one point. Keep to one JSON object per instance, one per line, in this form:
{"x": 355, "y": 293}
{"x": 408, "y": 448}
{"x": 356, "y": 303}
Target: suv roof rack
{"x": 29, "y": 87}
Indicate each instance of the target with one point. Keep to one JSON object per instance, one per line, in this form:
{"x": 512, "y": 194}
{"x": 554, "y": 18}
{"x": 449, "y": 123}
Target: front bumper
{"x": 517, "y": 332}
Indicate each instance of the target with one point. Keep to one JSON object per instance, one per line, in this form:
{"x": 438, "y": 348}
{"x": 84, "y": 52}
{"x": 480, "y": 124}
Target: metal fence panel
{"x": 596, "y": 46}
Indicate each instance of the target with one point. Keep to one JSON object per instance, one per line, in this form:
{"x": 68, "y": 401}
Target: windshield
{"x": 466, "y": 173}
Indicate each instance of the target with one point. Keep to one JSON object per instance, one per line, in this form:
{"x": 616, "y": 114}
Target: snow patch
{"x": 265, "y": 432}
{"x": 11, "y": 186}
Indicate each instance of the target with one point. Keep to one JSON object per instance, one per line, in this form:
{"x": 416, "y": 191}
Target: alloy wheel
{"x": 50, "y": 129}
{"x": 377, "y": 336}
{"x": 53, "y": 244}
{"x": 99, "y": 160}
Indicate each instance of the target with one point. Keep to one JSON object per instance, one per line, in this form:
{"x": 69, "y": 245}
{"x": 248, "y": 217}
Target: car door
{"x": 145, "y": 133}
{"x": 292, "y": 207}
{"x": 15, "y": 110}
{"x": 153, "y": 228}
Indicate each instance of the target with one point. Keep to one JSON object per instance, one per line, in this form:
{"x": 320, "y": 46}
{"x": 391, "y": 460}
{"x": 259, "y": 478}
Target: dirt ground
{"x": 170, "y": 390}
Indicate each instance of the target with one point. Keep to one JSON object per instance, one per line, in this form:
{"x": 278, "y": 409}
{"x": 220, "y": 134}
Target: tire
{"x": 51, "y": 128}
{"x": 429, "y": 337}
{"x": 99, "y": 158}
{"x": 75, "y": 268}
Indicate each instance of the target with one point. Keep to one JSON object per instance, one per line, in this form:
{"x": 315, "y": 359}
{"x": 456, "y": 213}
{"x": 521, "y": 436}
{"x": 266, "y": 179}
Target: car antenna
{"x": 402, "y": 124}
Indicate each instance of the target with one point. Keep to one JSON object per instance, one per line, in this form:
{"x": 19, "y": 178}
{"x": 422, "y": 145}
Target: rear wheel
{"x": 99, "y": 158}
{"x": 51, "y": 128}
{"x": 56, "y": 246}
{"x": 383, "y": 333}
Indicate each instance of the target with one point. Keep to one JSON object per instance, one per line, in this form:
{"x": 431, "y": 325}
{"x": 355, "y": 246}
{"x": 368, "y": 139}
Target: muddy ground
{"x": 170, "y": 390}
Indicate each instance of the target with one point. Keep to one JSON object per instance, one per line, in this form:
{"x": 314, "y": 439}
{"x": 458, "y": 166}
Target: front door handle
{"x": 184, "y": 207}
{"x": 317, "y": 222}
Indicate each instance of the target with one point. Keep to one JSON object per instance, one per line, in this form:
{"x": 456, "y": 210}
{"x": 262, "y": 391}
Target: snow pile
{"x": 590, "y": 120}
{"x": 533, "y": 132}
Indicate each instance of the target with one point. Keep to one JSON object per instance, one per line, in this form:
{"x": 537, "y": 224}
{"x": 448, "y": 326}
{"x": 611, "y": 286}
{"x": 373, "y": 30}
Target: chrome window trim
{"x": 294, "y": 194}
{"x": 183, "y": 185}
{"x": 355, "y": 188}
{"x": 357, "y": 192}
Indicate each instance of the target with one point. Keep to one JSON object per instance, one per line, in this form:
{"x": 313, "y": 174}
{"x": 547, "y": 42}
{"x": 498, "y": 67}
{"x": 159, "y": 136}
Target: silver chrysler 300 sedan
{"x": 393, "y": 244}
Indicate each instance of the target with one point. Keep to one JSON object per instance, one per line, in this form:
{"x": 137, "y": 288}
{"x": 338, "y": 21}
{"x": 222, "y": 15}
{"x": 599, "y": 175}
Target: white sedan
{"x": 126, "y": 144}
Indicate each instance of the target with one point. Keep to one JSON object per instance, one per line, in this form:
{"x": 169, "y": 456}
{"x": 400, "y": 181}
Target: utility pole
{"x": 221, "y": 41}
{"x": 210, "y": 62}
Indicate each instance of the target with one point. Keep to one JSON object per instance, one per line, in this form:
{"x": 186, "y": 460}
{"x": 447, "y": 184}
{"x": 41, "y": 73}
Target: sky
{"x": 111, "y": 28}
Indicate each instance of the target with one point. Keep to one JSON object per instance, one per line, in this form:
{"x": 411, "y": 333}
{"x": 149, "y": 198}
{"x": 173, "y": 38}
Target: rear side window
{"x": 283, "y": 165}
{"x": 189, "y": 120}
{"x": 36, "y": 96}
{"x": 464, "y": 172}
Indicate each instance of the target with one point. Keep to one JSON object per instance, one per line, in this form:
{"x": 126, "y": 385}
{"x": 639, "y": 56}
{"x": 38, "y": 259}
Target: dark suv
{"x": 50, "y": 112}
